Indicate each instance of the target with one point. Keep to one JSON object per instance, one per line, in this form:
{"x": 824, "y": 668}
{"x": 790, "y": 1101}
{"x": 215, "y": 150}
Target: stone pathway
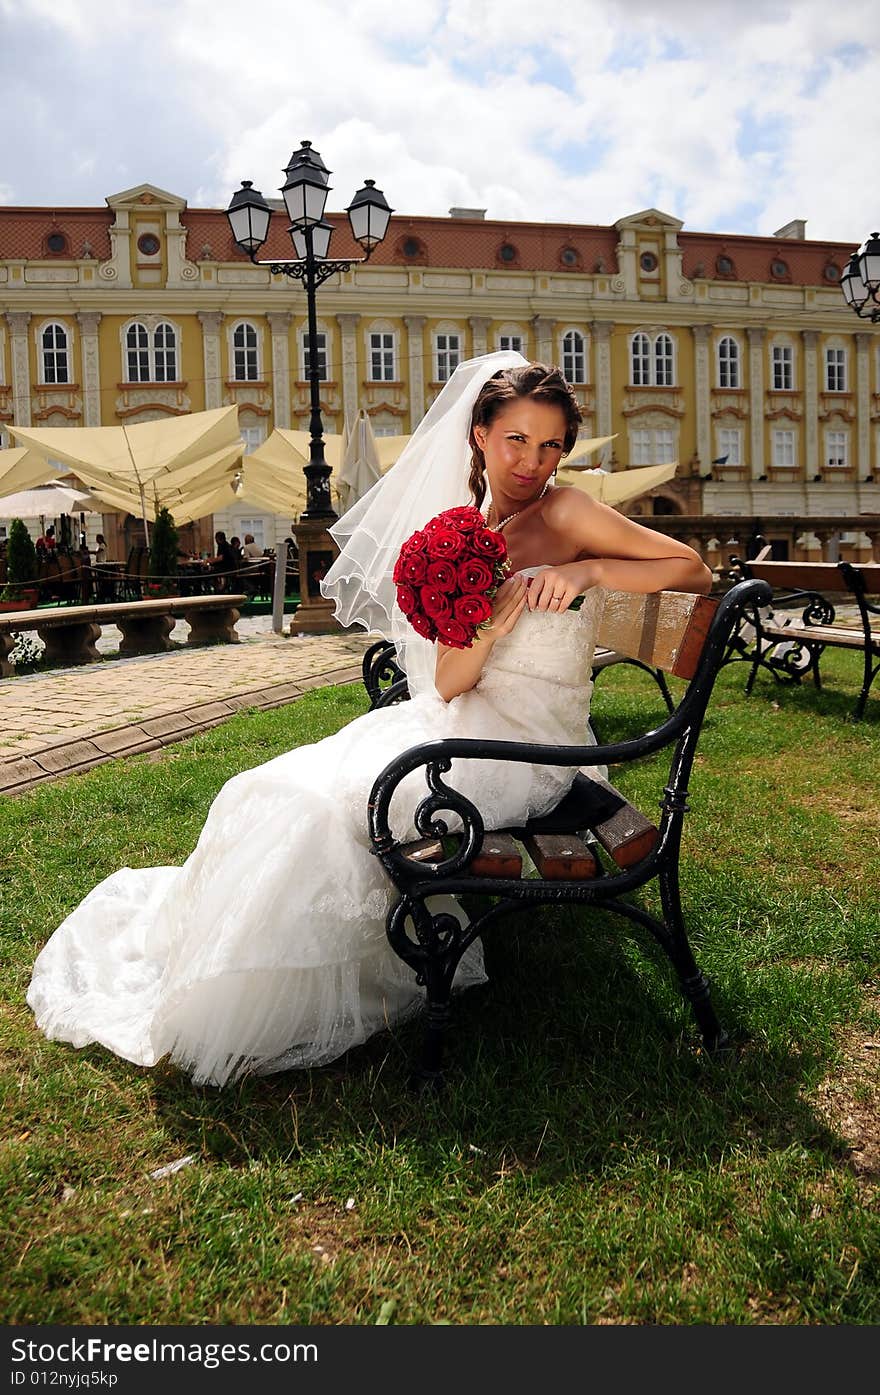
{"x": 69, "y": 719}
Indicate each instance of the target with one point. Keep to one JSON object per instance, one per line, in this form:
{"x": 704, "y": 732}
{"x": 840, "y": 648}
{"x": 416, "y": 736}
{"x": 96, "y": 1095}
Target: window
{"x": 148, "y": 244}
{"x": 730, "y": 444}
{"x": 641, "y": 360}
{"x": 244, "y": 353}
{"x": 55, "y": 357}
{"x": 382, "y": 368}
{"x": 385, "y": 431}
{"x": 663, "y": 360}
{"x": 448, "y": 355}
{"x": 252, "y": 436}
{"x": 56, "y": 243}
{"x": 321, "y": 354}
{"x": 728, "y": 363}
{"x": 151, "y": 359}
{"x": 836, "y": 450}
{"x": 254, "y": 526}
{"x": 783, "y": 368}
{"x": 653, "y": 365}
{"x": 574, "y": 356}
{"x": 511, "y": 342}
{"x": 783, "y": 449}
{"x": 835, "y": 370}
{"x": 137, "y": 344}
{"x": 648, "y": 262}
{"x": 507, "y": 252}
{"x": 165, "y": 345}
{"x": 651, "y": 447}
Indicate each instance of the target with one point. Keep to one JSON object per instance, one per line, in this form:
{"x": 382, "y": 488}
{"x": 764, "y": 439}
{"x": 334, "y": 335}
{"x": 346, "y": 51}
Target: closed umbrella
{"x": 360, "y": 468}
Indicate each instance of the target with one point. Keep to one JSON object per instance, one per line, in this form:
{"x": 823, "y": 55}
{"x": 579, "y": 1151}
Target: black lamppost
{"x": 305, "y": 195}
{"x": 860, "y": 282}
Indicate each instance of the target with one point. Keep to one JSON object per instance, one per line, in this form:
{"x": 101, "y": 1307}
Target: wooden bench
{"x": 788, "y": 638}
{"x": 595, "y": 848}
{"x": 69, "y": 632}
{"x": 385, "y": 680}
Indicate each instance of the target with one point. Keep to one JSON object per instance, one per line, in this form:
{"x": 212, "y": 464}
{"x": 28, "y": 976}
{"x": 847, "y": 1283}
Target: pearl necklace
{"x": 502, "y": 523}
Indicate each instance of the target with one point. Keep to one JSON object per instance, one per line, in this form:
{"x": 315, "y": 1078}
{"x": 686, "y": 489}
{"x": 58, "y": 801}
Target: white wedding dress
{"x": 267, "y": 948}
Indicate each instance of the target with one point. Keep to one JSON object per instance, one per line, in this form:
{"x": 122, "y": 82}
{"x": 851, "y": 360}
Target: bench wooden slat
{"x": 813, "y": 576}
{"x": 666, "y": 629}
{"x": 499, "y": 856}
{"x": 561, "y": 856}
{"x": 835, "y": 635}
{"x": 622, "y": 829}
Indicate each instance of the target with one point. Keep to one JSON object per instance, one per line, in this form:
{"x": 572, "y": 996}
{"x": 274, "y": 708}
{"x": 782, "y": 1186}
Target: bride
{"x": 271, "y": 953}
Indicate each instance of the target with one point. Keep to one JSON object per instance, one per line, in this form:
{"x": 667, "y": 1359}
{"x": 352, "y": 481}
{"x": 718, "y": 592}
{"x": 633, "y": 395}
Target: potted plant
{"x": 163, "y": 557}
{"x": 19, "y": 593}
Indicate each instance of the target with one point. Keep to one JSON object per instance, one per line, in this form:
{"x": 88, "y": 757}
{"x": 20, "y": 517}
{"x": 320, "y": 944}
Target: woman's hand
{"x": 555, "y": 588}
{"x": 510, "y": 600}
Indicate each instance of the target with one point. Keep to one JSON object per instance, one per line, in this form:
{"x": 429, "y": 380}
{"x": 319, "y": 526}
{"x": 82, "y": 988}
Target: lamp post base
{"x": 317, "y": 552}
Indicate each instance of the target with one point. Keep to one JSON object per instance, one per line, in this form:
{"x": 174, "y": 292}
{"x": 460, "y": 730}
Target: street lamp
{"x": 305, "y": 194}
{"x": 860, "y": 282}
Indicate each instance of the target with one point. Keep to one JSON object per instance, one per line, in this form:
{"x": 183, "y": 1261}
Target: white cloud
{"x": 733, "y": 118}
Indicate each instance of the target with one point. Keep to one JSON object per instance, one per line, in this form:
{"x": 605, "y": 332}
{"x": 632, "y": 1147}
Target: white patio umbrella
{"x": 21, "y": 468}
{"x": 47, "y": 502}
{"x": 360, "y": 468}
{"x": 616, "y": 487}
{"x": 140, "y": 462}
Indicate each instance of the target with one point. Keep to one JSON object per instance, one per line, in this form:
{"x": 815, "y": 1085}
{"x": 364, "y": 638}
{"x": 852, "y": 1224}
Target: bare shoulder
{"x": 564, "y": 504}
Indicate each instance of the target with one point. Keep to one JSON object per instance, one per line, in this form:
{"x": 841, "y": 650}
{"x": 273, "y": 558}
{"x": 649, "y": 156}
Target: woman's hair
{"x": 535, "y": 380}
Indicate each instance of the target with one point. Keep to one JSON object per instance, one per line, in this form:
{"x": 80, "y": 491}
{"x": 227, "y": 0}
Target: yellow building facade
{"x": 736, "y": 356}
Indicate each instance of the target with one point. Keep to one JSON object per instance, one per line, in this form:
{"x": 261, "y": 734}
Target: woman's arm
{"x": 459, "y": 670}
{"x": 624, "y": 556}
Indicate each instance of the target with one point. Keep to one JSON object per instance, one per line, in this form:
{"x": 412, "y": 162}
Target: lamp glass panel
{"x": 321, "y": 235}
{"x": 870, "y": 269}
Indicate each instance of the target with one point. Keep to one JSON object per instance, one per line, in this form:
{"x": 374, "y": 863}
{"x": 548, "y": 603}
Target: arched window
{"x": 137, "y": 352}
{"x": 663, "y": 366}
{"x": 641, "y": 360}
{"x": 55, "y": 354}
{"x": 165, "y": 346}
{"x": 574, "y": 356}
{"x": 245, "y": 367}
{"x": 728, "y": 362}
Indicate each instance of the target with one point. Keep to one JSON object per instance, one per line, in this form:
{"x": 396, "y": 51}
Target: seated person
{"x": 46, "y": 541}
{"x": 235, "y": 544}
{"x": 251, "y": 550}
{"x": 224, "y": 560}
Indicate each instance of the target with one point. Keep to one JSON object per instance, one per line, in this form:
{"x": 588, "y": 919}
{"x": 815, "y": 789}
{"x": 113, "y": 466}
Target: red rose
{"x": 445, "y": 544}
{"x": 423, "y": 626}
{"x": 407, "y": 600}
{"x": 434, "y": 603}
{"x": 465, "y": 519}
{"x": 397, "y": 574}
{"x": 489, "y": 543}
{"x": 475, "y": 575}
{"x": 472, "y": 610}
{"x": 455, "y": 634}
{"x": 442, "y": 575}
{"x": 414, "y": 543}
{"x": 414, "y": 568}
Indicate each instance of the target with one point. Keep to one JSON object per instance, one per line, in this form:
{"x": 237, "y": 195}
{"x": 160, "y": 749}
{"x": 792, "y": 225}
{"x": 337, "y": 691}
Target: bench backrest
{"x": 665, "y": 630}
{"x": 814, "y": 576}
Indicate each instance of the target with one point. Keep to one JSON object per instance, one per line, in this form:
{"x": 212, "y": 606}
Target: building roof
{"x": 467, "y": 243}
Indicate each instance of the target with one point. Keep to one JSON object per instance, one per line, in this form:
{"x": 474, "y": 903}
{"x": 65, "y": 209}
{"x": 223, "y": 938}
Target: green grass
{"x": 586, "y": 1164}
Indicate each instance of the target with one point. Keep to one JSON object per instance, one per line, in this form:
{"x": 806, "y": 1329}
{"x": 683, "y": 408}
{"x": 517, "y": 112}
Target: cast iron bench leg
{"x": 691, "y": 978}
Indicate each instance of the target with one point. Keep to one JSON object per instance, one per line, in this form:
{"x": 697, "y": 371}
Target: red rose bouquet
{"x": 447, "y": 575}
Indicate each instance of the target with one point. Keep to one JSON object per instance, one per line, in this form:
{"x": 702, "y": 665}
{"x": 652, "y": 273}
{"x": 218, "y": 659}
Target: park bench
{"x": 788, "y": 638}
{"x": 69, "y": 632}
{"x": 385, "y": 680}
{"x": 594, "y": 849}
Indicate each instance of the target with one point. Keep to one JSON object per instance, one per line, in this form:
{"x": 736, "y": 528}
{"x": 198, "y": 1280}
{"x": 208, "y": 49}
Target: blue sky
{"x": 732, "y": 118}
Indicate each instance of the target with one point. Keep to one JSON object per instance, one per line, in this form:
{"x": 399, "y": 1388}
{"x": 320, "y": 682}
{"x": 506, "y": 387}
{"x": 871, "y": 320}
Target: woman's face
{"x": 522, "y": 448}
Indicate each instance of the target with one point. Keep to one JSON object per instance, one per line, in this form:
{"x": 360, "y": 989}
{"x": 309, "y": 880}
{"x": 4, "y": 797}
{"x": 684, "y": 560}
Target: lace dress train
{"x": 268, "y": 950}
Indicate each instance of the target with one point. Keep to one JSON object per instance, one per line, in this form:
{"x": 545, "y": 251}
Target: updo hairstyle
{"x": 535, "y": 380}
